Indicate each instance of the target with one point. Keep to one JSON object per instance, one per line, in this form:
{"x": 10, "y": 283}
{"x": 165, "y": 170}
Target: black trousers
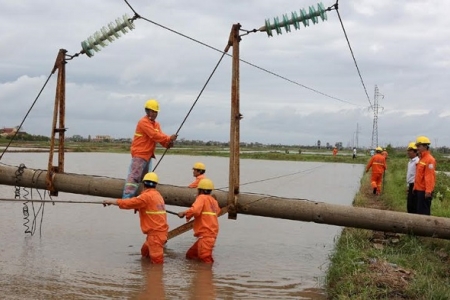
{"x": 411, "y": 200}
{"x": 423, "y": 204}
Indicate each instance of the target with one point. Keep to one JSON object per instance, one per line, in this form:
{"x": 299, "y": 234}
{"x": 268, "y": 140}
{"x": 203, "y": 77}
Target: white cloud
{"x": 401, "y": 47}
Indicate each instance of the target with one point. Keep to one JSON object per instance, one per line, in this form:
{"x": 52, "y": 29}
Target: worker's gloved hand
{"x": 173, "y": 137}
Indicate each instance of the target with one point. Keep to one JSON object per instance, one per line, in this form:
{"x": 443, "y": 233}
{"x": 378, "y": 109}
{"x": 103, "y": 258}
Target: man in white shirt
{"x": 411, "y": 201}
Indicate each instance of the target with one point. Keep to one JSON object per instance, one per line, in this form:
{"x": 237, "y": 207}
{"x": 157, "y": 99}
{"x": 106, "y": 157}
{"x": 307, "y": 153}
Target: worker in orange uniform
{"x": 198, "y": 171}
{"x": 425, "y": 179}
{"x": 384, "y": 153}
{"x": 205, "y": 210}
{"x": 378, "y": 165}
{"x": 335, "y": 151}
{"x": 148, "y": 132}
{"x": 152, "y": 213}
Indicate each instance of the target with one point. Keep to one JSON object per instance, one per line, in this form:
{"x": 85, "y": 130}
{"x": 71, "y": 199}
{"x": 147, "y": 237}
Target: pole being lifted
{"x": 250, "y": 204}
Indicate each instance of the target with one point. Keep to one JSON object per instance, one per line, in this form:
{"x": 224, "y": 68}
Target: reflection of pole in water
{"x": 154, "y": 287}
{"x": 202, "y": 286}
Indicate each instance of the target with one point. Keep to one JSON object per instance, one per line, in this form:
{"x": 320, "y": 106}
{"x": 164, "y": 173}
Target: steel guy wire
{"x": 26, "y": 115}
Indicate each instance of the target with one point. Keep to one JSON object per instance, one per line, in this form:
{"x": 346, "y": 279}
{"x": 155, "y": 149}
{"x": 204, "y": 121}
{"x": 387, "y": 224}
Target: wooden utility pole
{"x": 58, "y": 127}
{"x": 250, "y": 204}
{"x": 233, "y": 186}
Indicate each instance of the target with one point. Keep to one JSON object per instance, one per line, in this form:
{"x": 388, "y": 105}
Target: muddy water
{"x": 87, "y": 251}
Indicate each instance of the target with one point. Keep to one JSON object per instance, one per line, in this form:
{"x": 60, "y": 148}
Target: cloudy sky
{"x": 401, "y": 46}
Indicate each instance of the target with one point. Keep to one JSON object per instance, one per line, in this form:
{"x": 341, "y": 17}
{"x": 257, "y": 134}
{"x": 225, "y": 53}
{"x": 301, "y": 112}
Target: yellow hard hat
{"x": 205, "y": 184}
{"x": 378, "y": 149}
{"x": 199, "y": 166}
{"x": 152, "y": 104}
{"x": 412, "y": 146}
{"x": 151, "y": 177}
{"x": 422, "y": 140}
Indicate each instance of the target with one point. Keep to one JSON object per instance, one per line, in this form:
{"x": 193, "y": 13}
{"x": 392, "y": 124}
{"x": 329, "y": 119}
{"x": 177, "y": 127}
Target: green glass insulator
{"x": 313, "y": 15}
{"x": 304, "y": 17}
{"x": 295, "y": 20}
{"x": 286, "y": 23}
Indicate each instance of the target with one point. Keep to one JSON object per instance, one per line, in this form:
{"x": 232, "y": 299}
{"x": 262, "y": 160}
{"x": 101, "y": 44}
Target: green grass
{"x": 351, "y": 274}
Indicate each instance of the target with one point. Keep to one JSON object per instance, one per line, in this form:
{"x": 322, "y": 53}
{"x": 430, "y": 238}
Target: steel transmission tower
{"x": 376, "y": 107}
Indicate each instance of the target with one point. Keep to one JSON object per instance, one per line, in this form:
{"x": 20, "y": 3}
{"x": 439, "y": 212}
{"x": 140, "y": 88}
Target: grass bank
{"x": 377, "y": 265}
{"x": 364, "y": 264}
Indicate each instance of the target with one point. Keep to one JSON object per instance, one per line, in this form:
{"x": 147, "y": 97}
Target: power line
{"x": 354, "y": 59}
{"x": 244, "y": 61}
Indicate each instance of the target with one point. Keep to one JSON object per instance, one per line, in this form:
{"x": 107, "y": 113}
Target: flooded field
{"x": 86, "y": 251}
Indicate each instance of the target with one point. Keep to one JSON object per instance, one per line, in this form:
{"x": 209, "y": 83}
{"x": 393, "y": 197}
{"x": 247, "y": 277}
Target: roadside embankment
{"x": 379, "y": 265}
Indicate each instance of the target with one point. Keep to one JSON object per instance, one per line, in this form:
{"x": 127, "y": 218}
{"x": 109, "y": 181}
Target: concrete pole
{"x": 250, "y": 204}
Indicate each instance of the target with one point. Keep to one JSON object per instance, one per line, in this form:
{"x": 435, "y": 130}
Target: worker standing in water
{"x": 198, "y": 171}
{"x": 378, "y": 165}
{"x": 153, "y": 217}
{"x": 204, "y": 210}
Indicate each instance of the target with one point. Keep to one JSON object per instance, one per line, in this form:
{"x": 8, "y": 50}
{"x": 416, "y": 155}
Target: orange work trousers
{"x": 153, "y": 247}
{"x": 376, "y": 180}
{"x": 202, "y": 250}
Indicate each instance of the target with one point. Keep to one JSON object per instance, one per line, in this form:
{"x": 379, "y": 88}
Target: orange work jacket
{"x": 147, "y": 134}
{"x": 152, "y": 210}
{"x": 205, "y": 210}
{"x": 377, "y": 163}
{"x": 425, "y": 173}
{"x": 194, "y": 184}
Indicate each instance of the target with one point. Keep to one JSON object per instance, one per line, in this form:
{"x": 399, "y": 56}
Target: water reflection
{"x": 202, "y": 283}
{"x": 154, "y": 286}
{"x": 88, "y": 253}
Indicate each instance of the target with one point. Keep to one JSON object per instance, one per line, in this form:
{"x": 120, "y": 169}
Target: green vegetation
{"x": 365, "y": 264}
{"x": 376, "y": 265}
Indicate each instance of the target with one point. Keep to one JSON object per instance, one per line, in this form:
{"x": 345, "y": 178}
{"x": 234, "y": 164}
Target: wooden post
{"x": 58, "y": 115}
{"x": 249, "y": 204}
{"x": 233, "y": 185}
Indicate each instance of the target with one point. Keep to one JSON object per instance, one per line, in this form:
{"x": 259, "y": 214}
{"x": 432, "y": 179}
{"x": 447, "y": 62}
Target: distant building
{"x": 102, "y": 138}
{"x": 7, "y": 132}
